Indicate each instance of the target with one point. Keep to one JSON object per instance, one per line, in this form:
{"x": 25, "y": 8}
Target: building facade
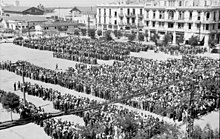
{"x": 180, "y": 18}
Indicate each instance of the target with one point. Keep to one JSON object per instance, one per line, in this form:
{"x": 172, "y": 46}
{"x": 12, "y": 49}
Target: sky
{"x": 59, "y": 3}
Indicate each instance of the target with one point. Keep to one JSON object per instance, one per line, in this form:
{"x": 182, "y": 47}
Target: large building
{"x": 184, "y": 18}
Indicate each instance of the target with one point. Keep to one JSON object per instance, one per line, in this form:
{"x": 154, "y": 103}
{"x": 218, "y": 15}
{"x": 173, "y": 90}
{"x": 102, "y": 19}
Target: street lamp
{"x": 21, "y": 64}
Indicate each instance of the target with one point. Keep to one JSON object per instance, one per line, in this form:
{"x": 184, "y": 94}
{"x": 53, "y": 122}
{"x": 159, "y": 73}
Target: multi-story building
{"x": 126, "y": 16}
{"x": 184, "y": 18}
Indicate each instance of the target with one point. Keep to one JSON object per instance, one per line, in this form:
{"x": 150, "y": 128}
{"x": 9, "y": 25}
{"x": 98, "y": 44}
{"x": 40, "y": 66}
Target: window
{"x": 199, "y": 16}
{"x": 190, "y": 25}
{"x": 207, "y": 27}
{"x": 207, "y": 15}
{"x": 219, "y": 15}
{"x": 198, "y": 26}
{"x": 128, "y": 11}
{"x": 181, "y": 15}
{"x": 213, "y": 26}
{"x": 190, "y": 15}
{"x": 104, "y": 12}
{"x": 115, "y": 14}
{"x": 147, "y": 23}
{"x": 153, "y": 23}
{"x": 180, "y": 25}
{"x": 161, "y": 24}
{"x": 133, "y": 11}
{"x": 171, "y": 15}
{"x": 214, "y": 16}
{"x": 154, "y": 14}
{"x": 99, "y": 11}
{"x": 128, "y": 21}
{"x": 180, "y": 3}
{"x": 170, "y": 25}
{"x": 133, "y": 20}
{"x": 115, "y": 22}
{"x": 141, "y": 11}
{"x": 218, "y": 25}
{"x": 147, "y": 14}
{"x": 104, "y": 20}
{"x": 99, "y": 20}
{"x": 110, "y": 12}
{"x": 161, "y": 15}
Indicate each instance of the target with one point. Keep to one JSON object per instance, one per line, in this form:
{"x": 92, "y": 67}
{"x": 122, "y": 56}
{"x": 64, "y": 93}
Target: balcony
{"x": 140, "y": 24}
{"x": 121, "y": 15}
{"x": 133, "y": 25}
{"x": 121, "y": 24}
{"x": 133, "y": 15}
{"x": 128, "y": 15}
{"x": 140, "y": 15}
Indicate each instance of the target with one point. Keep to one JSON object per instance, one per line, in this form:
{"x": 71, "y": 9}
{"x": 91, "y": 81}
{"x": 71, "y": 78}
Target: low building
{"x": 21, "y": 10}
{"x": 61, "y": 26}
{"x": 83, "y": 15}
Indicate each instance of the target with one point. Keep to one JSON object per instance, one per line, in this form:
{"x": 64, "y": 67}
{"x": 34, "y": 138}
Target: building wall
{"x": 188, "y": 17}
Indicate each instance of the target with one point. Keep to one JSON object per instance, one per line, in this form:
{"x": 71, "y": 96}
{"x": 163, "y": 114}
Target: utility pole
{"x": 88, "y": 24}
{"x": 190, "y": 116}
{"x": 199, "y": 29}
{"x": 29, "y": 30}
{"x": 21, "y": 65}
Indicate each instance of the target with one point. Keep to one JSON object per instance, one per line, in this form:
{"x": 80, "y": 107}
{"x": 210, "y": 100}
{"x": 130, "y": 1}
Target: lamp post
{"x": 21, "y": 65}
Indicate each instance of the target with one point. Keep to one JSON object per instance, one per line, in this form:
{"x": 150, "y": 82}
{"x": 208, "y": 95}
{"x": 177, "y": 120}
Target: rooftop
{"x": 55, "y": 24}
{"x": 25, "y": 18}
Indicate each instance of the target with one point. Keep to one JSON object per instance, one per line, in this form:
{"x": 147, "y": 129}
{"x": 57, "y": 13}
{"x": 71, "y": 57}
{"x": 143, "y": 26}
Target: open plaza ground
{"x": 45, "y": 59}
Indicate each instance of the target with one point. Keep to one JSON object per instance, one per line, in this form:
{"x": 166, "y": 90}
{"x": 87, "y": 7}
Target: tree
{"x": 10, "y": 102}
{"x": 146, "y": 34}
{"x": 108, "y": 36}
{"x": 117, "y": 33}
{"x": 180, "y": 39}
{"x": 154, "y": 38}
{"x": 91, "y": 33}
{"x": 193, "y": 41}
{"x": 141, "y": 37}
{"x": 212, "y": 42}
{"x": 131, "y": 37}
{"x": 99, "y": 33}
{"x": 76, "y": 32}
{"x": 83, "y": 31}
{"x": 167, "y": 39}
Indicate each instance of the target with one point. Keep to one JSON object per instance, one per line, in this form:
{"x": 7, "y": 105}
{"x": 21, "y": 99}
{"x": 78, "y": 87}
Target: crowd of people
{"x": 89, "y": 51}
{"x": 182, "y": 50}
{"x": 134, "y": 76}
{"x": 105, "y": 117}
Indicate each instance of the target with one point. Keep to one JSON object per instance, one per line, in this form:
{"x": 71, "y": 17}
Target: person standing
{"x": 15, "y": 86}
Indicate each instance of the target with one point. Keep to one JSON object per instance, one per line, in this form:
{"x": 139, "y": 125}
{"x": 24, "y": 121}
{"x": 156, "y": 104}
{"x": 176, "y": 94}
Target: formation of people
{"x": 134, "y": 76}
{"x": 107, "y": 118}
{"x": 83, "y": 50}
{"x": 181, "y": 50}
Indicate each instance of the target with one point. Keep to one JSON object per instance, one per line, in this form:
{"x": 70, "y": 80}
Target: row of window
{"x": 181, "y": 25}
{"x": 121, "y": 11}
{"x": 181, "y": 15}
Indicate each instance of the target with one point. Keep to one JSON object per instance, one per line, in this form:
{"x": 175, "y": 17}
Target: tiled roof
{"x": 25, "y": 18}
{"x": 16, "y": 8}
{"x": 87, "y": 10}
